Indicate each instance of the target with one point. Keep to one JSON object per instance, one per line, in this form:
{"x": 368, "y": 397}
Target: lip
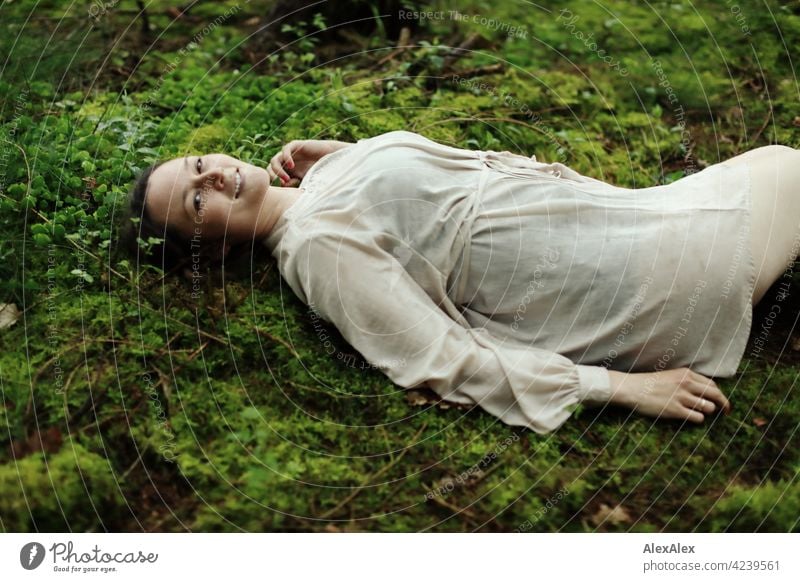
{"x": 238, "y": 194}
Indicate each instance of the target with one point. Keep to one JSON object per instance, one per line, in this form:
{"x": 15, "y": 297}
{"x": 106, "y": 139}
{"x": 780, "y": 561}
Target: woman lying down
{"x": 497, "y": 280}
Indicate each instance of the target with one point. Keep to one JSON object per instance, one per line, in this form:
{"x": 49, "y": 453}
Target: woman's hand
{"x": 678, "y": 393}
{"x": 296, "y": 158}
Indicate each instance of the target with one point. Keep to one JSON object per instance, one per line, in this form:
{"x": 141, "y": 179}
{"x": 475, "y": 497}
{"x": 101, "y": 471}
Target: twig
{"x": 166, "y": 346}
{"x": 461, "y": 50}
{"x": 763, "y": 125}
{"x": 193, "y": 355}
{"x": 455, "y": 509}
{"x": 129, "y": 469}
{"x": 304, "y": 387}
{"x": 145, "y": 18}
{"x": 402, "y": 46}
{"x": 276, "y": 339}
{"x": 481, "y": 71}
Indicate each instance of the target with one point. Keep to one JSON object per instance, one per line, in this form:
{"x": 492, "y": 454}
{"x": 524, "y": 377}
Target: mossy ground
{"x": 129, "y": 405}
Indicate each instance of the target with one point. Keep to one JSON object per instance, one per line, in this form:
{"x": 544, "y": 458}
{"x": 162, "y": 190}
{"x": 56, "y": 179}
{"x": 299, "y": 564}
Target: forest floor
{"x": 130, "y": 405}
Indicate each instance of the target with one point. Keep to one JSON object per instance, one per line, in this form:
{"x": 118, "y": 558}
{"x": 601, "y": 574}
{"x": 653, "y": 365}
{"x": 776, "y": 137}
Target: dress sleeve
{"x": 398, "y": 328}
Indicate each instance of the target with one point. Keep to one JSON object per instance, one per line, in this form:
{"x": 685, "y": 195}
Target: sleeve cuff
{"x": 595, "y": 384}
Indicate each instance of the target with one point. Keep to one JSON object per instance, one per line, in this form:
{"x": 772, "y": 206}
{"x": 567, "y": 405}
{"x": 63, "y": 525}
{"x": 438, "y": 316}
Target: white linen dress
{"x": 500, "y": 281}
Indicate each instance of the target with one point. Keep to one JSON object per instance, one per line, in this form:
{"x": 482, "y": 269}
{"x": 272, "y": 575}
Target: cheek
{"x": 211, "y": 220}
{"x": 219, "y": 217}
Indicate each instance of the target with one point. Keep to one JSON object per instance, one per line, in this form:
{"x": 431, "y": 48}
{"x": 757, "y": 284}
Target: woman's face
{"x": 209, "y": 196}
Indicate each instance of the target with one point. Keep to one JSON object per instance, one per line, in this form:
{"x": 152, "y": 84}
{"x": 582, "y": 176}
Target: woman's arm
{"x": 297, "y": 157}
{"x": 403, "y": 332}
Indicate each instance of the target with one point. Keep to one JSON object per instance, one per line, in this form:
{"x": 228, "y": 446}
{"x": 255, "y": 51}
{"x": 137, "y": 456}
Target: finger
{"x": 278, "y": 168}
{"x": 702, "y": 380}
{"x": 694, "y": 416}
{"x": 701, "y": 404}
{"x": 701, "y": 385}
{"x": 288, "y": 160}
{"x": 274, "y": 165}
{"x": 713, "y": 393}
{"x": 272, "y": 175}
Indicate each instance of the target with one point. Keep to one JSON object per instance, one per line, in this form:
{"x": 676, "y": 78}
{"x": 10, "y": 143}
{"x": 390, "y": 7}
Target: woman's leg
{"x": 775, "y": 173}
{"x": 681, "y": 393}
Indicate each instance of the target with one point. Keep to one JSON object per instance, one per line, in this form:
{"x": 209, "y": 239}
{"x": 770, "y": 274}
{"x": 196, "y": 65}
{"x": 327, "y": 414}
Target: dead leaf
{"x": 444, "y": 405}
{"x": 9, "y": 314}
{"x": 417, "y": 398}
{"x": 48, "y": 441}
{"x": 614, "y": 515}
{"x": 424, "y": 397}
{"x": 759, "y": 422}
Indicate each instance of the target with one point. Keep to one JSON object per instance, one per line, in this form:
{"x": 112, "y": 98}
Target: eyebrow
{"x": 187, "y": 190}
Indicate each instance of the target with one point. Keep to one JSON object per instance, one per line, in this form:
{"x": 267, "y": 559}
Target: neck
{"x": 276, "y": 202}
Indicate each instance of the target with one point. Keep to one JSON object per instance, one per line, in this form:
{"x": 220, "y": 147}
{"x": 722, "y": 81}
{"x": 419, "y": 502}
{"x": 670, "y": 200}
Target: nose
{"x": 215, "y": 178}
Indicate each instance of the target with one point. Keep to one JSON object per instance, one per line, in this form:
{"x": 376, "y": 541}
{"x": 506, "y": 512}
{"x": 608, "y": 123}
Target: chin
{"x": 256, "y": 182}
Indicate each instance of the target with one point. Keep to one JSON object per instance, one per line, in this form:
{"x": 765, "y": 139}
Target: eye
{"x": 199, "y": 165}
{"x": 197, "y": 201}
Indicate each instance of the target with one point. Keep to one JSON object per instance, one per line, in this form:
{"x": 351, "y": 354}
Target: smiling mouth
{"x": 238, "y": 184}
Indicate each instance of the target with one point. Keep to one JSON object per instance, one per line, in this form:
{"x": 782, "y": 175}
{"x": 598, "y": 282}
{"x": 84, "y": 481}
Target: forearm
{"x": 618, "y": 395}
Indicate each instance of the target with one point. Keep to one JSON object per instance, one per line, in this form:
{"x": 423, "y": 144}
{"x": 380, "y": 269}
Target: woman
{"x": 498, "y": 280}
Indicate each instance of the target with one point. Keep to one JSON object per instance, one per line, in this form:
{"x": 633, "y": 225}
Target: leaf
{"x": 46, "y": 440}
{"x": 251, "y": 413}
{"x": 82, "y": 274}
{"x": 418, "y": 398}
{"x": 614, "y": 515}
{"x": 759, "y": 422}
{"x": 424, "y": 397}
{"x": 9, "y": 314}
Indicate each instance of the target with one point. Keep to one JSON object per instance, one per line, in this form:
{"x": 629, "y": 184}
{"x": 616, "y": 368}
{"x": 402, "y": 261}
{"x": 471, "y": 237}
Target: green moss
{"x": 770, "y": 507}
{"x": 209, "y": 138}
{"x": 228, "y": 414}
{"x": 73, "y": 488}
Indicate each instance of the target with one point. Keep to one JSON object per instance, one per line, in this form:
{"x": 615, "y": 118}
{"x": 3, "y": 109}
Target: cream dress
{"x": 498, "y": 280}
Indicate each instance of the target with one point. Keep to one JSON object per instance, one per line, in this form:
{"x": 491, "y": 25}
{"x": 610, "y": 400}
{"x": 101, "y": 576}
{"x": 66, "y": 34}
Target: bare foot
{"x": 678, "y": 393}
